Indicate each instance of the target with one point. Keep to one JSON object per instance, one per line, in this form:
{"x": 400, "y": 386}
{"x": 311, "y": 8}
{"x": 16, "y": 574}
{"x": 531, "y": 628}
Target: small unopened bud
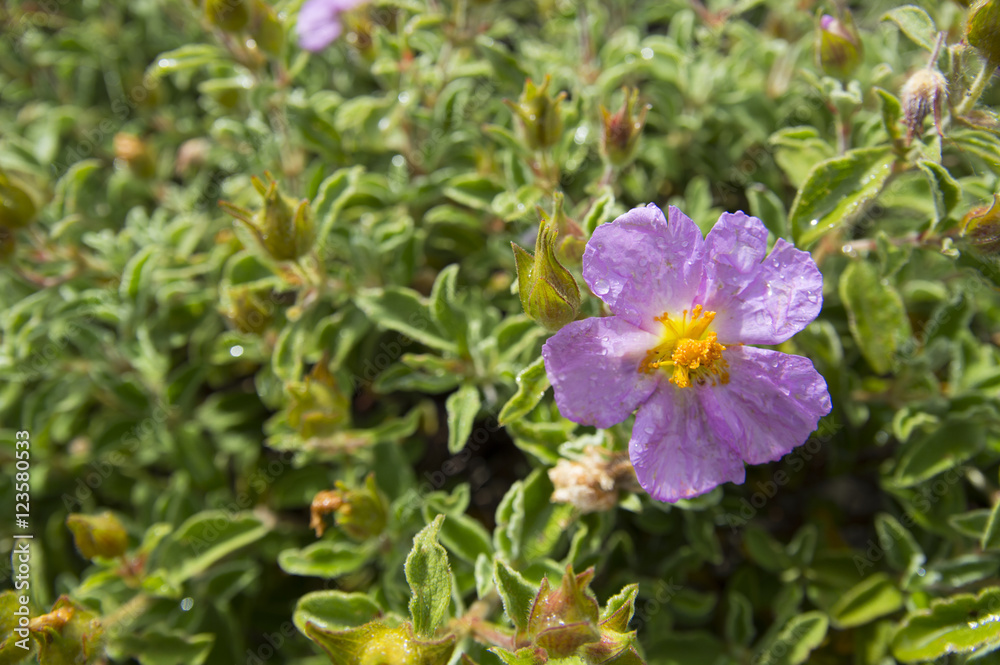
{"x": 98, "y": 535}
{"x": 318, "y": 406}
{"x": 982, "y": 227}
{"x": 548, "y": 291}
{"x": 284, "y": 228}
{"x": 621, "y": 130}
{"x": 229, "y": 15}
{"x": 982, "y": 30}
{"x": 132, "y": 150}
{"x": 248, "y": 309}
{"x": 540, "y": 114}
{"x": 924, "y": 92}
{"x": 595, "y": 483}
{"x": 362, "y": 514}
{"x": 838, "y": 46}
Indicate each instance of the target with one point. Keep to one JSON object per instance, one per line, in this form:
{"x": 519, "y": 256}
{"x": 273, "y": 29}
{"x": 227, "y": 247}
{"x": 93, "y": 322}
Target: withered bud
{"x": 924, "y": 92}
{"x": 134, "y": 152}
{"x": 593, "y": 484}
{"x": 981, "y": 226}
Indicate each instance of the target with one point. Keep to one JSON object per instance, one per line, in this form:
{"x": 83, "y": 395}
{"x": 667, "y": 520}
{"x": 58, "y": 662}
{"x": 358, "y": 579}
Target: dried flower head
{"x": 594, "y": 483}
{"x": 924, "y": 92}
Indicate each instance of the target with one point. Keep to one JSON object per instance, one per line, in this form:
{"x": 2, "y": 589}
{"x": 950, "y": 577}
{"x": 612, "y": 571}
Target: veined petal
{"x": 771, "y": 404}
{"x": 643, "y": 266}
{"x": 594, "y": 369}
{"x": 676, "y": 451}
{"x": 758, "y": 302}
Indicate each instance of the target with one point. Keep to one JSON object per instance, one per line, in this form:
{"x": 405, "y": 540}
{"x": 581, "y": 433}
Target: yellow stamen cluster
{"x": 689, "y": 348}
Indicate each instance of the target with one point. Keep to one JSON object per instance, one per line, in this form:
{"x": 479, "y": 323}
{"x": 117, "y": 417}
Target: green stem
{"x": 978, "y": 86}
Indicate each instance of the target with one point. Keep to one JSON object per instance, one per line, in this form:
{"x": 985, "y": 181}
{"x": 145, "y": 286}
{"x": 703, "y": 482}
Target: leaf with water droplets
{"x": 532, "y": 382}
{"x": 836, "y": 192}
{"x": 960, "y": 624}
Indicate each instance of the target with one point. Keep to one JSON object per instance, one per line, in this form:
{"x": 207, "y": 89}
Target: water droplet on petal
{"x": 601, "y": 287}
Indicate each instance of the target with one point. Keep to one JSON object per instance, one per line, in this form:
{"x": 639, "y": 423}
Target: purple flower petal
{"x": 773, "y": 401}
{"x": 319, "y": 22}
{"x": 642, "y": 266}
{"x": 757, "y": 302}
{"x": 594, "y": 369}
{"x": 675, "y": 449}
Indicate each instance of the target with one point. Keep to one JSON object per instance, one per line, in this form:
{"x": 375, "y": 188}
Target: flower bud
{"x": 98, "y": 535}
{"x": 982, "y": 30}
{"x": 285, "y": 229}
{"x": 838, "y": 46}
{"x": 548, "y": 291}
{"x": 248, "y": 309}
{"x": 378, "y": 643}
{"x": 17, "y": 209}
{"x": 318, "y": 406}
{"x": 361, "y": 514}
{"x": 566, "y": 618}
{"x": 621, "y": 131}
{"x": 982, "y": 227}
{"x": 540, "y": 114}
{"x": 229, "y": 15}
{"x": 593, "y": 484}
{"x": 924, "y": 92}
{"x": 267, "y": 30}
{"x": 130, "y": 149}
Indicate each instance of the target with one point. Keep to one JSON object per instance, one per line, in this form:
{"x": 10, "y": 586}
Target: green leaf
{"x": 903, "y": 552}
{"x": 836, "y": 191}
{"x": 532, "y": 382}
{"x": 892, "y": 112}
{"x": 873, "y": 597}
{"x": 331, "y": 197}
{"x": 798, "y": 637}
{"x": 324, "y": 559}
{"x": 947, "y": 446}
{"x": 430, "y": 580}
{"x": 335, "y": 610}
{"x": 135, "y": 275}
{"x": 163, "y": 648}
{"x": 765, "y": 550}
{"x": 944, "y": 188}
{"x": 473, "y": 190}
{"x": 191, "y": 56}
{"x": 915, "y": 24}
{"x": 517, "y": 594}
{"x": 462, "y": 406}
{"x": 601, "y": 211}
{"x": 972, "y": 523}
{"x": 403, "y": 310}
{"x": 991, "y": 534}
{"x": 464, "y": 537}
{"x": 957, "y": 625}
{"x": 766, "y": 206}
{"x": 205, "y": 538}
{"x": 876, "y": 315}
{"x": 739, "y": 620}
{"x": 444, "y": 309}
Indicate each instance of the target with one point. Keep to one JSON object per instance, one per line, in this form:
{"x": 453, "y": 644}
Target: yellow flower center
{"x": 689, "y": 348}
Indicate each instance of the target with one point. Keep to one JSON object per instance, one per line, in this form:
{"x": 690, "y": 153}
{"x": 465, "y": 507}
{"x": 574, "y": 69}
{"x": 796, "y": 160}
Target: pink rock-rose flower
{"x": 684, "y": 310}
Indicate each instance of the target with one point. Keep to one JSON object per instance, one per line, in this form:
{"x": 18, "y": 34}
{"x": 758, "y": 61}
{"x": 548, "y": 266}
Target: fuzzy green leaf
{"x": 876, "y": 314}
{"x": 429, "y": 576}
{"x": 958, "y": 625}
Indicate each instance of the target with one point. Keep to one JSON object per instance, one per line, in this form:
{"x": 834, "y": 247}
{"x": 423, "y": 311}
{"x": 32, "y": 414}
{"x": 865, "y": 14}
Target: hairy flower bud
{"x": 621, "y": 130}
{"x": 540, "y": 114}
{"x": 318, "y": 406}
{"x": 838, "y": 46}
{"x": 982, "y": 30}
{"x": 98, "y": 535}
{"x": 284, "y": 228}
{"x": 924, "y": 92}
{"x": 229, "y": 15}
{"x": 362, "y": 514}
{"x": 548, "y": 291}
{"x": 982, "y": 227}
{"x": 248, "y": 309}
